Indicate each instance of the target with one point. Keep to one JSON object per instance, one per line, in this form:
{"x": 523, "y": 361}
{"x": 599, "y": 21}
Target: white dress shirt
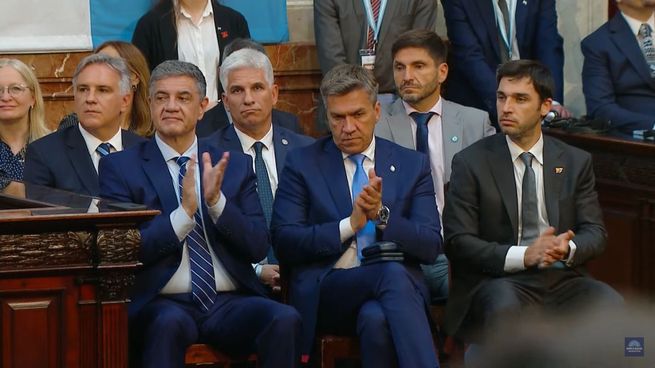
{"x": 92, "y": 144}
{"x": 435, "y": 148}
{"x": 182, "y": 225}
{"x": 268, "y": 153}
{"x": 514, "y": 260}
{"x": 197, "y": 43}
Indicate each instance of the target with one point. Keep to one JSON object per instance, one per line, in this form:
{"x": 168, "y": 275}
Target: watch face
{"x": 383, "y": 214}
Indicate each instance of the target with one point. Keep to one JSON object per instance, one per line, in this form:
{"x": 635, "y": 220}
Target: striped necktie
{"x": 370, "y": 36}
{"x": 104, "y": 149}
{"x": 647, "y": 46}
{"x": 203, "y": 283}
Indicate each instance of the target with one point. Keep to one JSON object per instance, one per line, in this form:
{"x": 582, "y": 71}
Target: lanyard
{"x": 371, "y": 19}
{"x": 508, "y": 39}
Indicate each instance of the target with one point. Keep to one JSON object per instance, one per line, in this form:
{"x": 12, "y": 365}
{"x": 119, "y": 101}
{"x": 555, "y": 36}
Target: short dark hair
{"x": 345, "y": 78}
{"x": 538, "y": 73}
{"x": 422, "y": 39}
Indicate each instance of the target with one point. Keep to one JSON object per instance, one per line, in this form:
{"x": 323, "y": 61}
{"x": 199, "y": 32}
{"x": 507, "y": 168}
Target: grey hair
{"x": 117, "y": 64}
{"x": 246, "y": 58}
{"x": 242, "y": 43}
{"x": 178, "y": 68}
{"x": 345, "y": 78}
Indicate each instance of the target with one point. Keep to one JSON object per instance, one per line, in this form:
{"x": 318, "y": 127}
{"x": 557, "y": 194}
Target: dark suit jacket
{"x": 61, "y": 160}
{"x": 313, "y": 196}
{"x": 239, "y": 237}
{"x": 284, "y": 140}
{"x": 341, "y": 26}
{"x": 481, "y": 213}
{"x": 216, "y": 119}
{"x": 155, "y": 34}
{"x": 475, "y": 48}
{"x": 616, "y": 79}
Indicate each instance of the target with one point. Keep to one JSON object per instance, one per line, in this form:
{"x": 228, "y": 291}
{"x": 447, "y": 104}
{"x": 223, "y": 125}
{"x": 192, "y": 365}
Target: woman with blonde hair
{"x": 22, "y": 117}
{"x": 137, "y": 118}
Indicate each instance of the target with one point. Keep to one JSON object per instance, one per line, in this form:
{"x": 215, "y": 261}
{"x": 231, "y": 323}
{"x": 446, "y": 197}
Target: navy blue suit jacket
{"x": 313, "y": 196}
{"x": 284, "y": 140}
{"x": 216, "y": 119}
{"x": 475, "y": 46}
{"x": 616, "y": 79}
{"x": 238, "y": 238}
{"x": 61, "y": 160}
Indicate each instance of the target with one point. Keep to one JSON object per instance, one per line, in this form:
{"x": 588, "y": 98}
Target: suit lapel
{"x": 334, "y": 174}
{"x": 80, "y": 159}
{"x": 157, "y": 171}
{"x": 486, "y": 7}
{"x": 129, "y": 139}
{"x": 399, "y": 125}
{"x": 622, "y": 36}
{"x": 521, "y": 19}
{"x": 554, "y": 173}
{"x": 384, "y": 162}
{"x": 168, "y": 35}
{"x": 281, "y": 147}
{"x": 385, "y": 26}
{"x": 452, "y": 130}
{"x": 230, "y": 140}
{"x": 503, "y": 172}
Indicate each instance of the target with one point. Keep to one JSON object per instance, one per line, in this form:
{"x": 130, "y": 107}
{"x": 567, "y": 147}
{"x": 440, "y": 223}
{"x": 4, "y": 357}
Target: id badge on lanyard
{"x": 367, "y": 55}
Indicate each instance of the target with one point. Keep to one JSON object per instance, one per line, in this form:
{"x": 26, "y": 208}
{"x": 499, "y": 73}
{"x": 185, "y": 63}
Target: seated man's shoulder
{"x": 294, "y": 138}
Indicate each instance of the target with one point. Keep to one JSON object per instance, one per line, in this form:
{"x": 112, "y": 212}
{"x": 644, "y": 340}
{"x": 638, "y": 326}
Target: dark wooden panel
{"x": 32, "y": 330}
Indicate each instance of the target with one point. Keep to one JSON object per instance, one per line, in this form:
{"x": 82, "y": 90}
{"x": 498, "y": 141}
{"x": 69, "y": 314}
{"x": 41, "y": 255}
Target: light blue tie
{"x": 203, "y": 283}
{"x": 366, "y": 235}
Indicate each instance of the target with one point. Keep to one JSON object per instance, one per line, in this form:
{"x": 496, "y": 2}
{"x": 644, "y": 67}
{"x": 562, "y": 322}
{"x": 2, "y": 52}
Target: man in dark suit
{"x": 335, "y": 198}
{"x": 422, "y": 120}
{"x": 217, "y": 117}
{"x": 522, "y": 216}
{"x": 483, "y": 35}
{"x": 68, "y": 159}
{"x": 250, "y": 93}
{"x": 618, "y": 80}
{"x": 196, "y": 283}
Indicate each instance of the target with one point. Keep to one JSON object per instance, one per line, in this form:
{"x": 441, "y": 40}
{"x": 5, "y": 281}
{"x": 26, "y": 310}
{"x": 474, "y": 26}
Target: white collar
{"x": 170, "y": 153}
{"x": 537, "y": 150}
{"x": 247, "y": 141}
{"x": 92, "y": 142}
{"x": 437, "y": 108}
{"x": 369, "y": 152}
{"x": 635, "y": 24}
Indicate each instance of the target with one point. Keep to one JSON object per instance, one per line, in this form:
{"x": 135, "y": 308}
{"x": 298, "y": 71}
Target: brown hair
{"x": 139, "y": 119}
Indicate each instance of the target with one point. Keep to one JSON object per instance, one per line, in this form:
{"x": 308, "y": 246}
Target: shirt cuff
{"x": 258, "y": 269}
{"x": 515, "y": 259}
{"x": 216, "y": 210}
{"x": 182, "y": 223}
{"x": 345, "y": 229}
{"x": 572, "y": 248}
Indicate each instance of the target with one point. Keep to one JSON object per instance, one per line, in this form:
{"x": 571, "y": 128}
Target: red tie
{"x": 375, "y": 5}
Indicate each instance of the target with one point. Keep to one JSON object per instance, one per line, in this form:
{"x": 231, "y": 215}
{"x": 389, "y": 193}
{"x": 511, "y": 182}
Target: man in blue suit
{"x": 250, "y": 94}
{"x": 196, "y": 283}
{"x": 486, "y": 33}
{"x": 617, "y": 80}
{"x": 336, "y": 197}
{"x": 68, "y": 159}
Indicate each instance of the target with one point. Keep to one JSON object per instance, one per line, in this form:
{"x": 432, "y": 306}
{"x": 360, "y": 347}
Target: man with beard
{"x": 423, "y": 121}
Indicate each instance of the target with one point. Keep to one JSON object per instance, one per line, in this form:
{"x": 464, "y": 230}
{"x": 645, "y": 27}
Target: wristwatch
{"x": 383, "y": 216}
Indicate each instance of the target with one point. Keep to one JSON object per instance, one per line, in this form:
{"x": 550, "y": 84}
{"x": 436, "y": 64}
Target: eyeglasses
{"x": 14, "y": 90}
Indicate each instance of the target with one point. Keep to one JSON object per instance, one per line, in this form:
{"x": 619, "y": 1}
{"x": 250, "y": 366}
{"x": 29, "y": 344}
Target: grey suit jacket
{"x": 481, "y": 214}
{"x": 462, "y": 126}
{"x": 341, "y": 26}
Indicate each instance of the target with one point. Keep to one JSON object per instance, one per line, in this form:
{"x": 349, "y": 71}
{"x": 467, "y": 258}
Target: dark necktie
{"x": 366, "y": 235}
{"x": 421, "y": 119}
{"x": 370, "y": 36}
{"x": 504, "y": 51}
{"x": 203, "y": 283}
{"x": 529, "y": 211}
{"x": 103, "y": 149}
{"x": 647, "y": 46}
{"x": 264, "y": 192}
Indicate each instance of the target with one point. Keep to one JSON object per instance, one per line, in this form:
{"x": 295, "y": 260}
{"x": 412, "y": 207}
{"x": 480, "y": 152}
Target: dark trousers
{"x": 553, "y": 290}
{"x": 236, "y": 324}
{"x": 381, "y": 303}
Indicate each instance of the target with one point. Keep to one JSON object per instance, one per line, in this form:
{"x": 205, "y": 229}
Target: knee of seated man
{"x": 287, "y": 318}
{"x": 372, "y": 321}
{"x": 173, "y": 322}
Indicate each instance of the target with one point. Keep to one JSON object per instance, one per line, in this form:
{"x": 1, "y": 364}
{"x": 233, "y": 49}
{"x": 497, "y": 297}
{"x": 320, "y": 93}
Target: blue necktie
{"x": 529, "y": 211}
{"x": 103, "y": 149}
{"x": 264, "y": 192}
{"x": 421, "y": 119}
{"x": 203, "y": 283}
{"x": 366, "y": 235}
